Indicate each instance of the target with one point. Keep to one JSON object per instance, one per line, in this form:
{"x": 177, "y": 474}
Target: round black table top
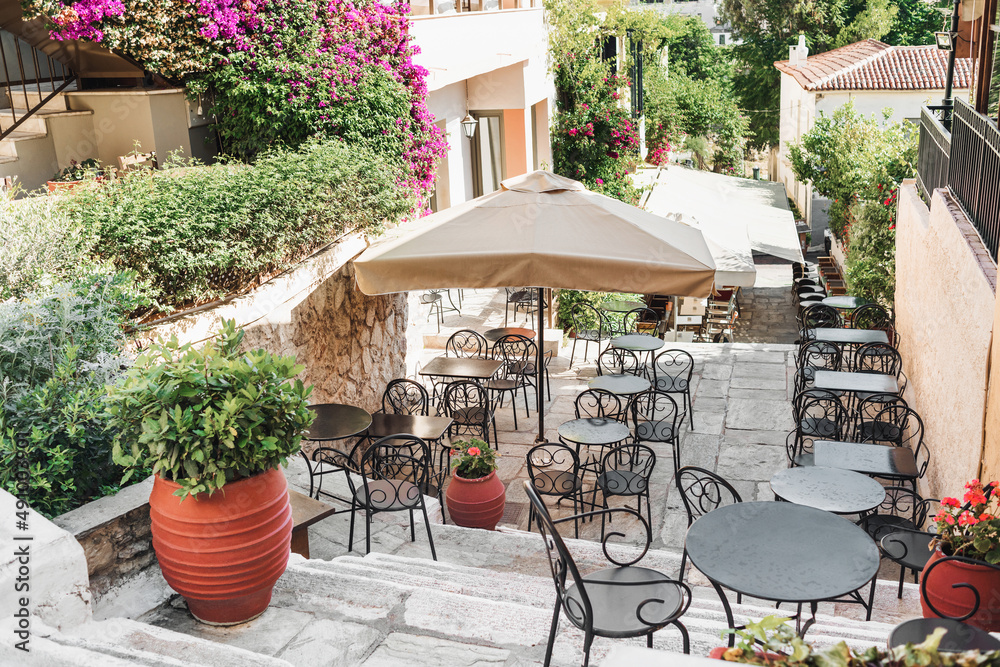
{"x": 621, "y": 306}
{"x": 782, "y": 551}
{"x": 594, "y": 431}
{"x": 493, "y": 335}
{"x": 831, "y": 489}
{"x": 845, "y": 302}
{"x": 336, "y": 421}
{"x": 623, "y": 385}
{"x": 637, "y": 343}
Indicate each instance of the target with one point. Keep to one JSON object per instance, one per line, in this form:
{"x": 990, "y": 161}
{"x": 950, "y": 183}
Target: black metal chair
{"x": 877, "y": 358}
{"x": 641, "y": 321}
{"x": 960, "y": 636}
{"x": 818, "y": 415}
{"x": 468, "y": 405}
{"x": 819, "y": 316}
{"x": 522, "y": 298}
{"x": 896, "y": 526}
{"x": 330, "y": 461}
{"x": 596, "y": 403}
{"x": 613, "y": 361}
{"x": 554, "y": 470}
{"x": 467, "y": 344}
{"x": 904, "y": 428}
{"x": 516, "y": 353}
{"x": 393, "y": 471}
{"x": 582, "y": 330}
{"x": 875, "y": 317}
{"x": 655, "y": 417}
{"x": 405, "y": 397}
{"x": 626, "y": 471}
{"x": 701, "y": 492}
{"x": 866, "y": 414}
{"x": 617, "y": 602}
{"x": 433, "y": 301}
{"x": 672, "y": 370}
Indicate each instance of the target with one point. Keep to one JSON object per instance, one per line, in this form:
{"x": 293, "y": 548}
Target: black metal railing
{"x": 935, "y": 149}
{"x": 30, "y": 80}
{"x": 974, "y": 171}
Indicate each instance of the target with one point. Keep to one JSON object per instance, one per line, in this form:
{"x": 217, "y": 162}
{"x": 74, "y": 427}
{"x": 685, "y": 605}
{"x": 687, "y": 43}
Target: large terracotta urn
{"x": 476, "y": 503}
{"x": 956, "y": 602}
{"x": 224, "y": 552}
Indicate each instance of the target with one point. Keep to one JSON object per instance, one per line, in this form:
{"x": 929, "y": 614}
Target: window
{"x": 487, "y": 153}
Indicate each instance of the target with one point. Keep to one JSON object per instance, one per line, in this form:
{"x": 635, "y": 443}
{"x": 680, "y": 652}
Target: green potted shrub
{"x": 475, "y": 496}
{"x": 74, "y": 174}
{"x": 215, "y": 424}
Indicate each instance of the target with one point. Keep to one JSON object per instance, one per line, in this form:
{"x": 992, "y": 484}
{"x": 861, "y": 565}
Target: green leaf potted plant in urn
{"x": 215, "y": 424}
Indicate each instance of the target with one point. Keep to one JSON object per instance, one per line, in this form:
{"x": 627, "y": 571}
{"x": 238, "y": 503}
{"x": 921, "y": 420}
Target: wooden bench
{"x": 305, "y": 512}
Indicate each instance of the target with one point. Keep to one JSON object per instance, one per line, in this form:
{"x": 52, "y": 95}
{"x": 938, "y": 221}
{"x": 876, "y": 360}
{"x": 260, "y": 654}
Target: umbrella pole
{"x": 540, "y": 367}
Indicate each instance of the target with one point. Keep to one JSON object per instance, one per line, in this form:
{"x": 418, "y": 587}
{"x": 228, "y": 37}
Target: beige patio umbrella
{"x": 541, "y": 230}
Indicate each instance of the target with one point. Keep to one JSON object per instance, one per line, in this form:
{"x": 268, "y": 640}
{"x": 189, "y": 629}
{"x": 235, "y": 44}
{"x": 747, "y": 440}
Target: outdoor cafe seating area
{"x": 846, "y": 504}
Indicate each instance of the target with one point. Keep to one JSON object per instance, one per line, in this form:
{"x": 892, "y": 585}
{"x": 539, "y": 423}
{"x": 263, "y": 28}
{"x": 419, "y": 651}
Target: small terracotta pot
{"x": 224, "y": 552}
{"x": 957, "y": 602}
{"x": 476, "y": 503}
{"x": 61, "y": 186}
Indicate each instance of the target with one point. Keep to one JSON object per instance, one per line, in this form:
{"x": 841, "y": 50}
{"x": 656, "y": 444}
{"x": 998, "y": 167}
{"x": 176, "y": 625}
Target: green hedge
{"x": 197, "y": 233}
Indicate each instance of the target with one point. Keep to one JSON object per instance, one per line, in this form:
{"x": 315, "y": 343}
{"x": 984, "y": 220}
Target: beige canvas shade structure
{"x": 541, "y": 230}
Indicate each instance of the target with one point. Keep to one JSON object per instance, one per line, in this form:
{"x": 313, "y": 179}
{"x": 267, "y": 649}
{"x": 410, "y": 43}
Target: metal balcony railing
{"x": 934, "y": 151}
{"x": 445, "y": 7}
{"x": 974, "y": 171}
{"x": 30, "y": 79}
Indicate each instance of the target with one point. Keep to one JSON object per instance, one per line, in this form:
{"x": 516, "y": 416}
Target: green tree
{"x": 692, "y": 51}
{"x": 915, "y": 23}
{"x": 768, "y": 27}
{"x": 858, "y": 162}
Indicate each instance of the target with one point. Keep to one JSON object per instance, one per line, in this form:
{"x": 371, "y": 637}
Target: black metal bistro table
{"x": 637, "y": 343}
{"x": 620, "y": 306}
{"x": 593, "y": 432}
{"x": 640, "y": 343}
{"x": 867, "y": 459}
{"x": 462, "y": 368}
{"x": 622, "y": 385}
{"x": 334, "y": 421}
{"x": 493, "y": 335}
{"x": 845, "y": 302}
{"x": 867, "y": 383}
{"x": 832, "y": 489}
{"x": 782, "y": 552}
{"x": 847, "y": 336}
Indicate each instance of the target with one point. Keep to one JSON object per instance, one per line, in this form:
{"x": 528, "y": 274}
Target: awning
{"x": 735, "y": 214}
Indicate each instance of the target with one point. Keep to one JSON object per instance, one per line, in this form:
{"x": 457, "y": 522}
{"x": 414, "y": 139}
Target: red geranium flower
{"x": 474, "y": 451}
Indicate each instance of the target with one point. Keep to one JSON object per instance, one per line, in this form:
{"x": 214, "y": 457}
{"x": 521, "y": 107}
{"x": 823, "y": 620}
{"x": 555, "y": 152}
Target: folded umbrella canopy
{"x": 541, "y": 230}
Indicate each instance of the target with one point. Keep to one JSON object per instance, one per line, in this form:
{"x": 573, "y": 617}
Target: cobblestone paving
{"x": 767, "y": 310}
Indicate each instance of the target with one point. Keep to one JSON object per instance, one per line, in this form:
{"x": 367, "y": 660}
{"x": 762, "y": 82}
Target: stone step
{"x": 705, "y": 617}
{"x": 123, "y": 641}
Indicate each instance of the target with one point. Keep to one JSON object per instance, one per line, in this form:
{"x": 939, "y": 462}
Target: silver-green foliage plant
{"x": 58, "y": 350}
{"x": 202, "y": 417}
{"x": 39, "y": 246}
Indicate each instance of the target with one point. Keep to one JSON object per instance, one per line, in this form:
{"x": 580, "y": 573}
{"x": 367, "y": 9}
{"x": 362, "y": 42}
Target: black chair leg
{"x": 413, "y": 534}
{"x": 368, "y": 532}
{"x": 684, "y": 637}
{"x": 350, "y": 535}
{"x": 902, "y": 577}
{"x": 552, "y": 635}
{"x": 588, "y": 640}
{"x": 427, "y": 524}
{"x": 572, "y": 352}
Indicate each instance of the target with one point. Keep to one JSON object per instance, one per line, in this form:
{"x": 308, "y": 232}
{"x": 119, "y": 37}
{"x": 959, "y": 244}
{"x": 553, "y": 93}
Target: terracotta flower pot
{"x": 957, "y": 602}
{"x": 476, "y": 503}
{"x": 61, "y": 186}
{"x": 224, "y": 552}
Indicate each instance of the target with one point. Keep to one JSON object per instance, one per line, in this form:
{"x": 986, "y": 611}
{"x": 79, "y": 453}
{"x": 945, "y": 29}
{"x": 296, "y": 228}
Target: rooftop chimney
{"x": 803, "y": 52}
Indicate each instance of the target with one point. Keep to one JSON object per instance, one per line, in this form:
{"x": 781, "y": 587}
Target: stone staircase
{"x": 488, "y": 601}
{"x": 15, "y": 104}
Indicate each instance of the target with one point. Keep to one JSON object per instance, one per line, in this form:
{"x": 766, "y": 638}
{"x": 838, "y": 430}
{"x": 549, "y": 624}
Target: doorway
{"x": 488, "y": 167}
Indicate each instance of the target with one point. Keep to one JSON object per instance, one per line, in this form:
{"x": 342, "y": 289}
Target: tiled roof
{"x": 873, "y": 65}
